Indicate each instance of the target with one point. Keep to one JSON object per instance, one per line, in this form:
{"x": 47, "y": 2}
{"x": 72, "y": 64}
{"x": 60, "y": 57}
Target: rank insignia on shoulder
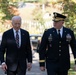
{"x": 41, "y": 61}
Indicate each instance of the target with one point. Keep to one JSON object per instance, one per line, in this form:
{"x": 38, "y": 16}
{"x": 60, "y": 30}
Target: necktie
{"x": 17, "y": 39}
{"x": 59, "y": 36}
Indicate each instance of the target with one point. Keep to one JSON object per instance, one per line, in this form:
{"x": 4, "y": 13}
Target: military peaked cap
{"x": 58, "y": 17}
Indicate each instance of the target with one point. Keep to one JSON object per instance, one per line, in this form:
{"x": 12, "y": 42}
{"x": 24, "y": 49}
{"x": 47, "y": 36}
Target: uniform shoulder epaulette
{"x": 41, "y": 61}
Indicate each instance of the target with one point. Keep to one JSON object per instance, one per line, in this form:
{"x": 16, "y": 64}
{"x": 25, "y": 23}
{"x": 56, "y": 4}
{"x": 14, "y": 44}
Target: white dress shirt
{"x": 61, "y": 31}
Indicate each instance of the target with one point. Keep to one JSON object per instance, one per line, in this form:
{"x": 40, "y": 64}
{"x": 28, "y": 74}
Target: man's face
{"x": 16, "y": 24}
{"x": 58, "y": 24}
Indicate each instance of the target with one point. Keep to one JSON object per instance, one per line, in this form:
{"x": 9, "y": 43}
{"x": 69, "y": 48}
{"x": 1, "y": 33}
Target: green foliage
{"x": 31, "y": 1}
{"x": 70, "y": 10}
{"x": 42, "y": 1}
{"x": 72, "y": 71}
{"x": 2, "y": 28}
{"x": 4, "y": 9}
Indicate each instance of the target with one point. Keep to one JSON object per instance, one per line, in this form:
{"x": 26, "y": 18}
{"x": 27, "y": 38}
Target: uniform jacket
{"x": 14, "y": 55}
{"x": 54, "y": 50}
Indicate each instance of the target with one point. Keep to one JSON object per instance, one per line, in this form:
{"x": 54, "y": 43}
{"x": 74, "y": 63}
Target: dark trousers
{"x": 18, "y": 71}
{"x": 53, "y": 69}
{"x": 56, "y": 73}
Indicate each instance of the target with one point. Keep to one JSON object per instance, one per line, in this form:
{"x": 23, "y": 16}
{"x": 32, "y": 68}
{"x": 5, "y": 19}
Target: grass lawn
{"x": 72, "y": 71}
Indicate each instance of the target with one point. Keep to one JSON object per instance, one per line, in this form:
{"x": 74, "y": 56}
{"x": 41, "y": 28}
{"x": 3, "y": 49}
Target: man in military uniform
{"x": 57, "y": 41}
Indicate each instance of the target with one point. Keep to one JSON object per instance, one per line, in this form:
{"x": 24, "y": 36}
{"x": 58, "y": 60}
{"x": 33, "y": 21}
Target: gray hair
{"x": 15, "y": 18}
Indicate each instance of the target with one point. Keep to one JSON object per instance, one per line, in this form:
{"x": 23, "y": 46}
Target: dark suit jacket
{"x": 14, "y": 55}
{"x": 57, "y": 51}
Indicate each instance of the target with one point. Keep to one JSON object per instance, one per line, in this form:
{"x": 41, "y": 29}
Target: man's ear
{"x": 62, "y": 22}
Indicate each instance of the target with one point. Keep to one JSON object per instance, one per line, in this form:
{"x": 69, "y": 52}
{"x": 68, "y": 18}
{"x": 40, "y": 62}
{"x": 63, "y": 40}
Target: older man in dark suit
{"x": 57, "y": 40}
{"x": 16, "y": 44}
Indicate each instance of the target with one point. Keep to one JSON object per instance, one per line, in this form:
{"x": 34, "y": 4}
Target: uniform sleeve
{"x": 42, "y": 49}
{"x": 73, "y": 46}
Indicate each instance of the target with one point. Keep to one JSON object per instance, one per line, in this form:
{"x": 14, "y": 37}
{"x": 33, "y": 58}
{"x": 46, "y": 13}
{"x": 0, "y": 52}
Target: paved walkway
{"x": 35, "y": 67}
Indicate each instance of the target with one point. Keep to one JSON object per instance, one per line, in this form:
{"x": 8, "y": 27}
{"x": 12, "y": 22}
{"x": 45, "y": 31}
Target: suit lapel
{"x": 55, "y": 33}
{"x": 22, "y": 36}
{"x": 13, "y": 37}
{"x": 64, "y": 32}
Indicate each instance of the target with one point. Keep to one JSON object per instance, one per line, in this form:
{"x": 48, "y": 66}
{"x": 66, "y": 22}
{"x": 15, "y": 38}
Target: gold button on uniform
{"x": 59, "y": 54}
{"x": 59, "y": 41}
{"x": 59, "y": 46}
{"x": 59, "y": 50}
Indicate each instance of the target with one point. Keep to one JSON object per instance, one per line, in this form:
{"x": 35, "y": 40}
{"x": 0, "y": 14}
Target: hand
{"x": 29, "y": 66}
{"x": 42, "y": 68}
{"x": 4, "y": 67}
